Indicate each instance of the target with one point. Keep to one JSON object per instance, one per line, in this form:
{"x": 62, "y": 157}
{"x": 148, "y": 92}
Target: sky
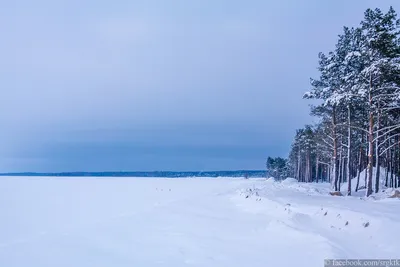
{"x": 160, "y": 85}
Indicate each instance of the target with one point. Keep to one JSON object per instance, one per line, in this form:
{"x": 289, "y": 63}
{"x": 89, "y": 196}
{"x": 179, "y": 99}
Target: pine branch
{"x": 391, "y": 129}
{"x": 327, "y": 143}
{"x": 387, "y": 139}
{"x": 386, "y": 149}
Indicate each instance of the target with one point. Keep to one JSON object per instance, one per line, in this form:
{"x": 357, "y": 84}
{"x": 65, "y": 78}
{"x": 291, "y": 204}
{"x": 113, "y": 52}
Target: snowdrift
{"x": 341, "y": 227}
{"x": 362, "y": 184}
{"x": 289, "y": 181}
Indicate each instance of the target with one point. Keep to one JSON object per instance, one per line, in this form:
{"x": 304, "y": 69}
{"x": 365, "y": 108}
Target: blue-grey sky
{"x": 159, "y": 85}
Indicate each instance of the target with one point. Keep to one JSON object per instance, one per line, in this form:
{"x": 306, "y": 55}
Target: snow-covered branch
{"x": 389, "y": 147}
{"x": 387, "y": 139}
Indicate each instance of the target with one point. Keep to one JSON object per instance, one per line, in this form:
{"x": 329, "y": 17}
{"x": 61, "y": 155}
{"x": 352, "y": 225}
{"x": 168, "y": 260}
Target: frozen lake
{"x": 231, "y": 222}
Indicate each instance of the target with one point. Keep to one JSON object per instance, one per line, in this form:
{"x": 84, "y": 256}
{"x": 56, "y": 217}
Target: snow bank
{"x": 339, "y": 227}
{"x": 271, "y": 179}
{"x": 362, "y": 185}
{"x": 288, "y": 181}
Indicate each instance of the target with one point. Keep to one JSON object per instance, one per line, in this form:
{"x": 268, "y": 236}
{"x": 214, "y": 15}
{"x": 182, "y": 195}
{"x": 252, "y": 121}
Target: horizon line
{"x": 131, "y": 173}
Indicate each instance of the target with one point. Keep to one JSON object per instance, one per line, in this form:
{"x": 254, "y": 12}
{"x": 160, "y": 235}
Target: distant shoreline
{"x": 154, "y": 174}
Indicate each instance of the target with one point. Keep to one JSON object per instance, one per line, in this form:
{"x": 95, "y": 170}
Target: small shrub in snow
{"x": 326, "y": 213}
{"x": 366, "y": 224}
{"x": 347, "y": 223}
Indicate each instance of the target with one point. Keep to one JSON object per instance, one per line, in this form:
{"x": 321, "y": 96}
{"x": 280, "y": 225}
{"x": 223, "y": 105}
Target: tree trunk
{"x": 370, "y": 142}
{"x": 325, "y": 176}
{"x": 397, "y": 177}
{"x": 308, "y": 176}
{"x": 335, "y": 147}
{"x": 366, "y": 166}
{"x": 359, "y": 165}
{"x": 340, "y": 169}
{"x": 329, "y": 174}
{"x": 349, "y": 151}
{"x": 377, "y": 175}
{"x": 316, "y": 170}
{"x": 377, "y": 162}
{"x": 343, "y": 176}
{"x": 388, "y": 162}
{"x": 360, "y": 162}
{"x": 391, "y": 169}
{"x": 298, "y": 165}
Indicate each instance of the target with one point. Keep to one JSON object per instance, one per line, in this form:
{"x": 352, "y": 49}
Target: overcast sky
{"x": 159, "y": 85}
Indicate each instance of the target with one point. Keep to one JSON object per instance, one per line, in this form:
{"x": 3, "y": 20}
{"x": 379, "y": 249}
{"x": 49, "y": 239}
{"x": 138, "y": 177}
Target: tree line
{"x": 358, "y": 91}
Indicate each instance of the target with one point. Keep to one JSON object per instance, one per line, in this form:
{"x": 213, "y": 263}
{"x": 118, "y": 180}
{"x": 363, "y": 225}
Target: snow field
{"x": 187, "y": 222}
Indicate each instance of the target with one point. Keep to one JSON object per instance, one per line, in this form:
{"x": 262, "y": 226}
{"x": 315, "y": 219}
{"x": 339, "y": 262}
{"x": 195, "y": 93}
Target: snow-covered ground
{"x": 112, "y": 222}
{"x": 384, "y": 192}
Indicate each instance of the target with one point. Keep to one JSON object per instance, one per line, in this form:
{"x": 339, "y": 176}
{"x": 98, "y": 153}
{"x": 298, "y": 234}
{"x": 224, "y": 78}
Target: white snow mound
{"x": 362, "y": 185}
{"x": 288, "y": 181}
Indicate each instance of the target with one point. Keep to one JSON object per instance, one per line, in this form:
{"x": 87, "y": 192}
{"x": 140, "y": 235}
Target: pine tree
{"x": 359, "y": 87}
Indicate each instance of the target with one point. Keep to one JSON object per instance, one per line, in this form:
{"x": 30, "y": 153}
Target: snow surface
{"x": 149, "y": 222}
{"x": 384, "y": 192}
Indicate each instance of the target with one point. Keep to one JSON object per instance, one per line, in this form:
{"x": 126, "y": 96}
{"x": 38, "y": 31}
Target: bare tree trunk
{"x": 359, "y": 169}
{"x": 370, "y": 142}
{"x": 377, "y": 162}
{"x": 349, "y": 151}
{"x": 302, "y": 171}
{"x": 360, "y": 161}
{"x": 308, "y": 168}
{"x": 298, "y": 165}
{"x": 397, "y": 177}
{"x": 316, "y": 170}
{"x": 329, "y": 174}
{"x": 343, "y": 176}
{"x": 335, "y": 147}
{"x": 305, "y": 170}
{"x": 366, "y": 166}
{"x": 326, "y": 176}
{"x": 387, "y": 166}
{"x": 391, "y": 169}
{"x": 340, "y": 168}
